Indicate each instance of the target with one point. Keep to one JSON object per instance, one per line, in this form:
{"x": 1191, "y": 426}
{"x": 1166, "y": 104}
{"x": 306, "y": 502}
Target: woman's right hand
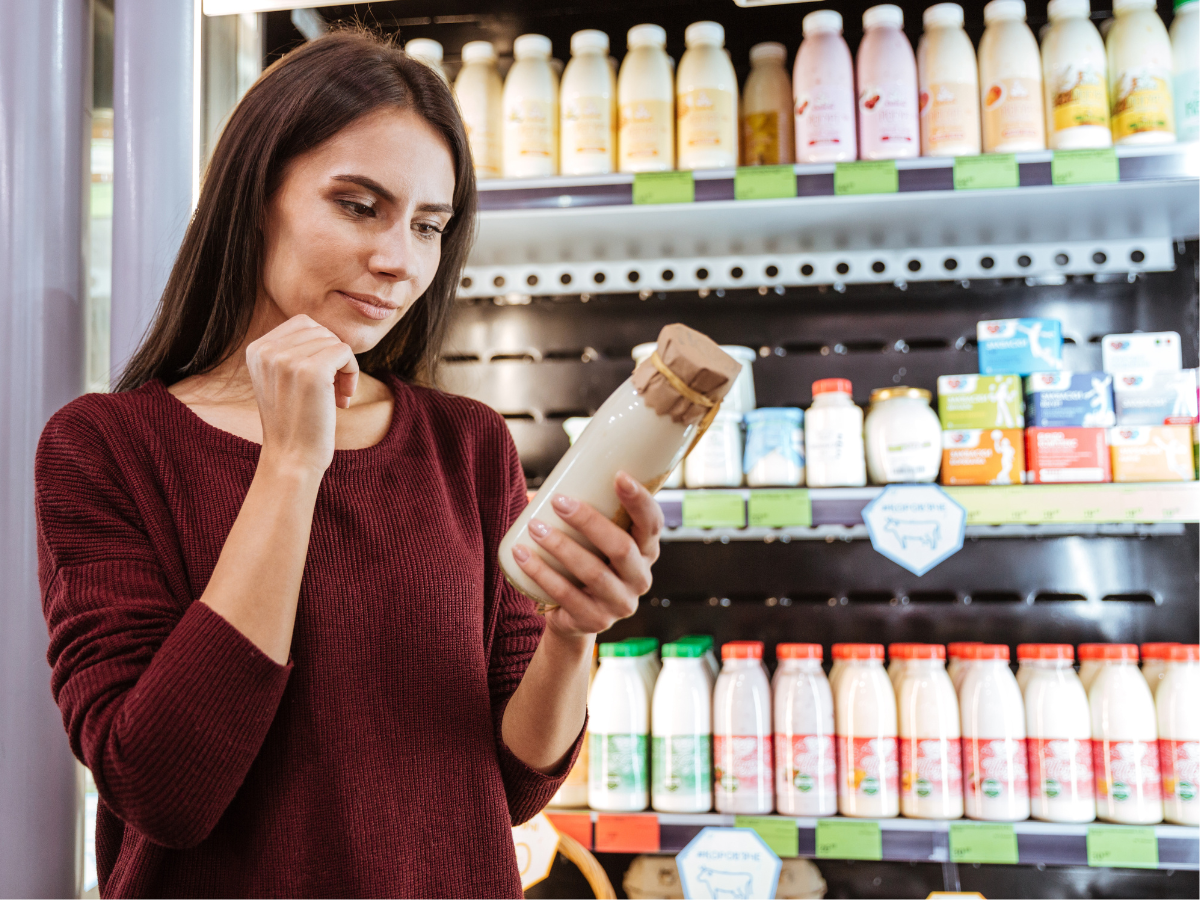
{"x": 301, "y": 373}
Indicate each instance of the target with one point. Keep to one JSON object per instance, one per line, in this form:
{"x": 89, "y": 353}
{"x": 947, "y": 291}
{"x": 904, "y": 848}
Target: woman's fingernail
{"x": 520, "y": 553}
{"x": 538, "y": 528}
{"x": 565, "y": 504}
{"x": 625, "y": 483}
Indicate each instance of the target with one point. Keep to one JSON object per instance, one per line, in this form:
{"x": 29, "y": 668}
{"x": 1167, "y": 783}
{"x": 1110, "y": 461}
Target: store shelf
{"x": 584, "y": 235}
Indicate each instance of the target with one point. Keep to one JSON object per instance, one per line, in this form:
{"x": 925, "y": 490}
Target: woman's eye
{"x": 361, "y": 210}
{"x": 427, "y": 230}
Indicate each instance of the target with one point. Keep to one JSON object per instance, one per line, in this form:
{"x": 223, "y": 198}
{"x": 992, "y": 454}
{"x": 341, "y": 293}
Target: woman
{"x": 279, "y": 633}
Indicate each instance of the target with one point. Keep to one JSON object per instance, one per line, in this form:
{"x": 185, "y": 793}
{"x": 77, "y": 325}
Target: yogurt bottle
{"x": 588, "y": 104}
{"x": 1140, "y": 73}
{"x": 1154, "y": 662}
{"x": 823, "y": 86}
{"x": 646, "y": 103}
{"x": 645, "y": 652}
{"x": 1025, "y": 654}
{"x": 705, "y": 642}
{"x": 903, "y": 436}
{"x": 888, "y": 126}
{"x": 1010, "y": 81}
{"x": 530, "y": 101}
{"x": 1125, "y": 741}
{"x": 956, "y": 667}
{"x": 742, "y": 759}
{"x": 1185, "y": 37}
{"x": 833, "y": 437}
{"x": 427, "y": 51}
{"x": 865, "y": 713}
{"x": 706, "y": 101}
{"x": 681, "y": 732}
{"x": 1075, "y": 79}
{"x": 480, "y": 92}
{"x": 774, "y": 447}
{"x": 948, "y": 84}
{"x": 1057, "y": 719}
{"x": 805, "y": 758}
{"x": 995, "y": 770}
{"x": 618, "y": 723}
{"x": 1179, "y": 735}
{"x": 1091, "y": 661}
{"x": 768, "y": 133}
{"x": 838, "y": 654}
{"x": 895, "y": 666}
{"x": 930, "y": 737}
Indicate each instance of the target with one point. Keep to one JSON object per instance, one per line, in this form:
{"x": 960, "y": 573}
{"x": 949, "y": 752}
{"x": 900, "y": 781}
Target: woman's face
{"x": 354, "y": 231}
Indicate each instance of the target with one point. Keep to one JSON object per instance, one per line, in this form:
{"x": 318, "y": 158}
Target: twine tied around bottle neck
{"x": 691, "y": 396}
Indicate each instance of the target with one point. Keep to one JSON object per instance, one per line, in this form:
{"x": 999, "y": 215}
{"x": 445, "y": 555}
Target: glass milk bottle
{"x": 479, "y": 92}
{"x": 1059, "y": 728}
{"x": 833, "y": 437}
{"x": 805, "y": 758}
{"x": 823, "y": 86}
{"x": 865, "y": 719}
{"x": 618, "y": 722}
{"x": 1125, "y": 741}
{"x": 1010, "y": 81}
{"x": 1091, "y": 661}
{"x": 646, "y": 98}
{"x": 956, "y": 668}
{"x": 427, "y": 51}
{"x": 681, "y": 732}
{"x": 930, "y": 737}
{"x": 1075, "y": 79}
{"x": 995, "y": 772}
{"x": 530, "y": 141}
{"x": 706, "y": 101}
{"x": 1179, "y": 735}
{"x": 743, "y": 779}
{"x": 1185, "y": 37}
{"x": 588, "y": 103}
{"x": 1140, "y": 72}
{"x": 948, "y": 84}
{"x": 768, "y": 133}
{"x": 887, "y": 88}
{"x": 1154, "y": 662}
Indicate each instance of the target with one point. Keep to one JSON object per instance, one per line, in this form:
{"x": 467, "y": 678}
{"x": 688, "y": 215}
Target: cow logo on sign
{"x": 728, "y": 863}
{"x": 916, "y": 526}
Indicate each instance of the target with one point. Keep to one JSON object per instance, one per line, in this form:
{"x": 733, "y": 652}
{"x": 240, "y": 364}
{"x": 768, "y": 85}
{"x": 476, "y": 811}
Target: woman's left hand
{"x": 610, "y": 589}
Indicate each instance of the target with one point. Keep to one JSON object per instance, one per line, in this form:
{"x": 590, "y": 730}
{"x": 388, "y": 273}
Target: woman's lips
{"x": 371, "y": 307}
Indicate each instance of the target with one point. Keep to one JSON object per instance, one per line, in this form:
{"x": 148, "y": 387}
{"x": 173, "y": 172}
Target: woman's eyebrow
{"x": 436, "y": 208}
{"x": 388, "y": 197}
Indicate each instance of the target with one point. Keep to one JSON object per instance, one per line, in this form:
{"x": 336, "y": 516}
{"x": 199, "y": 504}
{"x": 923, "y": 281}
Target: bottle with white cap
{"x": 865, "y": 720}
{"x": 1140, "y": 73}
{"x": 743, "y": 777}
{"x": 805, "y": 755}
{"x": 1179, "y": 735}
{"x": 646, "y": 98}
{"x": 479, "y": 91}
{"x": 930, "y": 736}
{"x": 531, "y": 111}
{"x": 1125, "y": 741}
{"x": 995, "y": 768}
{"x": 1075, "y": 79}
{"x": 681, "y": 732}
{"x": 1154, "y": 662}
{"x": 588, "y": 101}
{"x": 618, "y": 722}
{"x": 706, "y": 101}
{"x": 1010, "y": 81}
{"x": 823, "y": 87}
{"x": 888, "y": 127}
{"x": 768, "y": 132}
{"x": 948, "y": 84}
{"x": 1185, "y": 37}
{"x": 427, "y": 51}
{"x": 1059, "y": 728}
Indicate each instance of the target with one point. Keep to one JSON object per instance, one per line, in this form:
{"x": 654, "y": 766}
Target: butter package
{"x": 1156, "y": 398}
{"x": 1152, "y": 453}
{"x": 980, "y": 401}
{"x": 1161, "y": 350}
{"x": 1019, "y": 346}
{"x": 1069, "y": 400}
{"x": 1066, "y": 455}
{"x": 983, "y": 456}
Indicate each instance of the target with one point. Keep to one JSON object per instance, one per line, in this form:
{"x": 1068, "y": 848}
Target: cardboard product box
{"x": 1161, "y": 350}
{"x": 1069, "y": 400}
{"x": 1156, "y": 397}
{"x": 983, "y": 456}
{"x": 1019, "y": 346}
{"x": 1152, "y": 453}
{"x": 980, "y": 401}
{"x": 1067, "y": 455}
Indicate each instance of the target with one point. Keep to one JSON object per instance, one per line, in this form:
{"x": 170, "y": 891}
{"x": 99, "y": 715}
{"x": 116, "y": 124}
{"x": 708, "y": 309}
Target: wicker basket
{"x": 596, "y": 877}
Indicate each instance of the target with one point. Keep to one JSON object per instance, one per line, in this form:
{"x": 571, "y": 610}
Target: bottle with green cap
{"x": 710, "y": 656}
{"x": 646, "y": 653}
{"x": 618, "y": 726}
{"x": 681, "y": 732}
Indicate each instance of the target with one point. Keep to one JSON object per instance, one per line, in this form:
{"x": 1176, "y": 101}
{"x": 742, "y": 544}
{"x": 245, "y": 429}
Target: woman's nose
{"x": 394, "y": 255}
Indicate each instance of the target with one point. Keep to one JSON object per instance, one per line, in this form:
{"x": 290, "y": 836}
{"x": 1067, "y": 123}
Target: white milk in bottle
{"x": 888, "y": 126}
{"x": 1010, "y": 81}
{"x": 480, "y": 92}
{"x": 1154, "y": 662}
{"x": 838, "y": 653}
{"x": 823, "y": 87}
{"x": 865, "y": 719}
{"x": 897, "y": 657}
{"x": 1140, "y": 72}
{"x": 1025, "y": 655}
{"x": 1125, "y": 741}
{"x": 681, "y": 732}
{"x": 618, "y": 722}
{"x": 706, "y": 101}
{"x": 1075, "y": 79}
{"x": 588, "y": 103}
{"x": 768, "y": 132}
{"x": 956, "y": 667}
{"x": 711, "y": 665}
{"x": 948, "y": 81}
{"x": 930, "y": 737}
{"x": 995, "y": 771}
{"x": 1179, "y": 735}
{"x": 1059, "y": 725}
{"x": 1185, "y": 37}
{"x": 805, "y": 758}
{"x": 646, "y": 99}
{"x": 530, "y": 142}
{"x": 1091, "y": 661}
{"x": 833, "y": 437}
{"x": 743, "y": 779}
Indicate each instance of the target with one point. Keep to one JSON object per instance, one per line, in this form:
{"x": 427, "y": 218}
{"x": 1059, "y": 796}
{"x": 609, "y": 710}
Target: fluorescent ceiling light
{"x": 233, "y": 7}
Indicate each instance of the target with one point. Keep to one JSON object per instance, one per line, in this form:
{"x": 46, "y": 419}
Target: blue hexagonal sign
{"x": 730, "y": 863}
{"x": 915, "y": 525}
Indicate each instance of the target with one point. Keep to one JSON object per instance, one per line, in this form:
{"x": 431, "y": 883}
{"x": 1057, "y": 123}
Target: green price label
{"x": 992, "y": 170}
{"x": 714, "y": 509}
{"x": 663, "y": 187}
{"x": 764, "y": 182}
{"x": 978, "y": 843}
{"x": 870, "y": 177}
{"x": 1084, "y": 167}
{"x": 780, "y": 509}
{"x": 1124, "y": 846}
{"x": 845, "y": 839}
{"x": 781, "y": 835}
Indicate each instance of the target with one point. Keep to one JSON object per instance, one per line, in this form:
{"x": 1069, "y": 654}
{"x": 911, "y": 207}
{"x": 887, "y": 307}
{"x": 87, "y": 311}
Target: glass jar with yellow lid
{"x": 903, "y": 436}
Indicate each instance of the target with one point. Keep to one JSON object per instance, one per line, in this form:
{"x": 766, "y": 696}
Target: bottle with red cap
{"x": 895, "y": 666}
{"x": 1125, "y": 741}
{"x": 995, "y": 771}
{"x": 833, "y": 437}
{"x": 1059, "y": 725}
{"x": 743, "y": 776}
{"x": 805, "y": 761}
{"x": 956, "y": 662}
{"x": 930, "y": 745}
{"x": 1025, "y": 654}
{"x": 838, "y": 652}
{"x": 1091, "y": 661}
{"x": 865, "y": 719}
{"x": 1179, "y": 735}
{"x": 1155, "y": 656}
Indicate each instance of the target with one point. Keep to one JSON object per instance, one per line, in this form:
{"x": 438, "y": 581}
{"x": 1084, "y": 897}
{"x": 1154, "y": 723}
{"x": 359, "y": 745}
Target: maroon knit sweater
{"x": 372, "y": 764}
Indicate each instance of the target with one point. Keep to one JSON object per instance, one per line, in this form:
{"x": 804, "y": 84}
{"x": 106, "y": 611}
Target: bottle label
{"x": 807, "y": 763}
{"x": 742, "y": 763}
{"x": 1187, "y": 105}
{"x": 774, "y": 435}
{"x": 1060, "y": 767}
{"x": 617, "y": 762}
{"x": 930, "y": 768}
{"x": 1127, "y": 770}
{"x": 824, "y": 121}
{"x": 706, "y": 122}
{"x": 887, "y": 116}
{"x": 1079, "y": 97}
{"x": 1180, "y": 769}
{"x": 483, "y": 137}
{"x": 917, "y": 459}
{"x": 587, "y": 126}
{"x": 645, "y": 132}
{"x": 996, "y": 769}
{"x": 530, "y": 131}
{"x": 1012, "y": 112}
{"x": 760, "y": 139}
{"x": 949, "y": 115}
{"x": 868, "y": 766}
{"x": 680, "y": 764}
{"x": 1142, "y": 102}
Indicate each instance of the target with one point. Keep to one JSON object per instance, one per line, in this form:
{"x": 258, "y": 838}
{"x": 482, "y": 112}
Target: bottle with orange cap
{"x": 956, "y": 662}
{"x": 930, "y": 736}
{"x": 995, "y": 767}
{"x": 833, "y": 437}
{"x": 1179, "y": 735}
{"x": 838, "y": 652}
{"x": 1059, "y": 728}
{"x": 1091, "y": 661}
{"x": 895, "y": 665}
{"x": 865, "y": 720}
{"x": 1154, "y": 662}
{"x": 805, "y": 760}
{"x": 743, "y": 776}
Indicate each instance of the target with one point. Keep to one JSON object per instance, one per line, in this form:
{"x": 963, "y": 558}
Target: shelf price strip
{"x": 1084, "y": 167}
{"x": 781, "y": 835}
{"x": 650, "y": 188}
{"x": 868, "y": 177}
{"x": 992, "y": 170}
{"x": 972, "y": 842}
{"x": 780, "y": 509}
{"x": 764, "y": 183}
{"x": 713, "y": 509}
{"x": 837, "y": 839}
{"x": 1119, "y": 846}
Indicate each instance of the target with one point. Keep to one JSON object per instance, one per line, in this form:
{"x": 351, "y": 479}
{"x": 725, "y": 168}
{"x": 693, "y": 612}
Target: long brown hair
{"x": 299, "y": 102}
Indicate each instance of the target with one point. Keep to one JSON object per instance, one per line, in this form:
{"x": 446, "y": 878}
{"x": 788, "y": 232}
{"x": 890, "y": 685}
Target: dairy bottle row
{"x": 919, "y": 739}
